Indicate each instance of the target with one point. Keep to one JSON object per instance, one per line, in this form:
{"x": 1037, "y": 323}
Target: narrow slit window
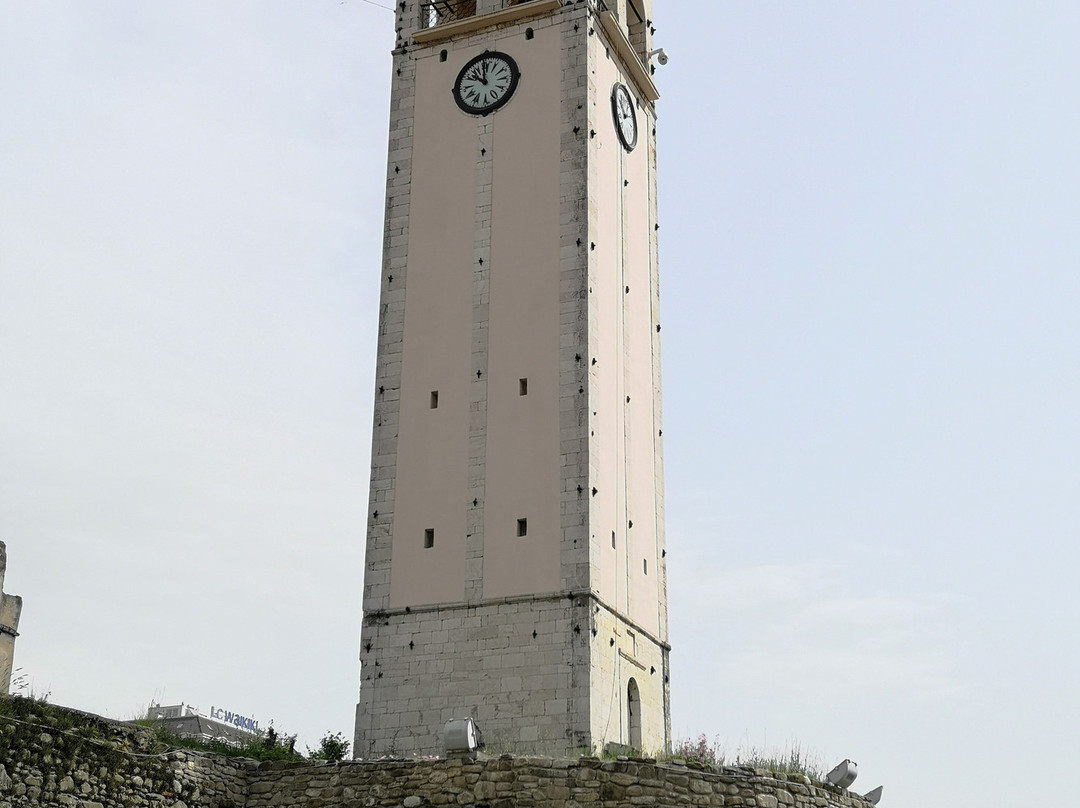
{"x": 645, "y": 565}
{"x": 613, "y": 539}
{"x": 523, "y": 527}
{"x": 434, "y": 399}
{"x": 429, "y": 538}
{"x": 523, "y": 387}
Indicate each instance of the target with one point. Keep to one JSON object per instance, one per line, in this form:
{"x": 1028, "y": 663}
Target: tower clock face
{"x": 486, "y": 83}
{"x": 622, "y": 108}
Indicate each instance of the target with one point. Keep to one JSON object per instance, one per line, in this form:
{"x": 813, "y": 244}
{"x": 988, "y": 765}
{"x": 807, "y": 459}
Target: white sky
{"x": 870, "y": 255}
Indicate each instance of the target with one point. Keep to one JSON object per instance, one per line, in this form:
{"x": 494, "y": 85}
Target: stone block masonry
{"x": 516, "y": 666}
{"x": 538, "y": 674}
{"x": 82, "y": 761}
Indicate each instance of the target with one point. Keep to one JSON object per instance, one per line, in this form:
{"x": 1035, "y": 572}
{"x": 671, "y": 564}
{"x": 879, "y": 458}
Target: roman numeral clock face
{"x": 486, "y": 83}
{"x": 622, "y": 110}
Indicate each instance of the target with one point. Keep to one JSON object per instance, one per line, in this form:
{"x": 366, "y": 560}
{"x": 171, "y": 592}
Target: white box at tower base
{"x": 461, "y": 736}
{"x": 515, "y": 570}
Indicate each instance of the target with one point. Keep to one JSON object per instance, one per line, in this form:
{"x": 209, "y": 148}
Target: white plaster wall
{"x": 642, "y": 567}
{"x": 625, "y": 434}
{"x": 624, "y": 430}
{"x": 431, "y": 485}
{"x": 523, "y": 453}
{"x": 606, "y": 343}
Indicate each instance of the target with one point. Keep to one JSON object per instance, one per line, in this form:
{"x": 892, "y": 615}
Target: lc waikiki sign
{"x": 237, "y": 720}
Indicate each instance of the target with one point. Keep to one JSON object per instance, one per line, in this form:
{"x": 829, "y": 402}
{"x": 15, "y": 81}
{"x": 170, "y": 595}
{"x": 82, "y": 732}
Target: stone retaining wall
{"x": 53, "y": 759}
{"x": 67, "y": 759}
{"x": 532, "y": 783}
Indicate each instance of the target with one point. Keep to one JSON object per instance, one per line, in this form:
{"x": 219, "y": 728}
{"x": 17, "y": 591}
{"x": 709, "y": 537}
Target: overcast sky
{"x": 870, "y": 250}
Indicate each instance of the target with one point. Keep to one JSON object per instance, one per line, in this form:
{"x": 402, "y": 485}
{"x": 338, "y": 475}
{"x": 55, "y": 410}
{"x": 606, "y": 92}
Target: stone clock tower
{"x": 515, "y": 565}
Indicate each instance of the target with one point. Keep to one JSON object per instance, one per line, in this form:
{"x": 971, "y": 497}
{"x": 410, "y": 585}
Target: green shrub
{"x": 333, "y": 747}
{"x": 270, "y": 746}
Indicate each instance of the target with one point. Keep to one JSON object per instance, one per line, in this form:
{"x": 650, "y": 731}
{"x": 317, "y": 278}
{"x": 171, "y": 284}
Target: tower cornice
{"x": 615, "y": 35}
{"x": 384, "y": 614}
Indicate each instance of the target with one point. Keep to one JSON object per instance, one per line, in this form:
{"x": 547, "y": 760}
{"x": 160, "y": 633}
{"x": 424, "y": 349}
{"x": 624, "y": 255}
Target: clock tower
{"x": 515, "y": 568}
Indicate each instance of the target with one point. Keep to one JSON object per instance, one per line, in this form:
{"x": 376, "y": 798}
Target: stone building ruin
{"x": 10, "y": 610}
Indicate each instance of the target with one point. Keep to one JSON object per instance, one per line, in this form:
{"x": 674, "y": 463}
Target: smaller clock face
{"x": 486, "y": 83}
{"x": 622, "y": 108}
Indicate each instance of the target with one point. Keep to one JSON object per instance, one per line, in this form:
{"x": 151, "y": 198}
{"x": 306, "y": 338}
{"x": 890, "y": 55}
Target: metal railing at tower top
{"x": 438, "y": 12}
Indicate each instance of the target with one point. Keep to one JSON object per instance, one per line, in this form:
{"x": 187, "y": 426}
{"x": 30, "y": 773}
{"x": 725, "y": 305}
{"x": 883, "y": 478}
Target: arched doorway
{"x": 633, "y": 712}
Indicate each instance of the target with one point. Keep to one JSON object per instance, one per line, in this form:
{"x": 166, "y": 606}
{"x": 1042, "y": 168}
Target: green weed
{"x": 791, "y": 760}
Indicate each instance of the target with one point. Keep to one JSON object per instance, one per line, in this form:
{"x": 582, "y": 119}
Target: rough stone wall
{"x": 10, "y": 611}
{"x": 52, "y": 759}
{"x": 74, "y": 760}
{"x": 535, "y": 782}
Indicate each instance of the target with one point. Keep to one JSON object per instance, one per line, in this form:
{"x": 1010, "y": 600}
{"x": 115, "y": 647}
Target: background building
{"x": 185, "y": 721}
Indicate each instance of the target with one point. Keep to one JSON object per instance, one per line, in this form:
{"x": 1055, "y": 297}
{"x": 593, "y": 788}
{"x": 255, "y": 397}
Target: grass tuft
{"x": 792, "y": 760}
{"x": 271, "y": 746}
